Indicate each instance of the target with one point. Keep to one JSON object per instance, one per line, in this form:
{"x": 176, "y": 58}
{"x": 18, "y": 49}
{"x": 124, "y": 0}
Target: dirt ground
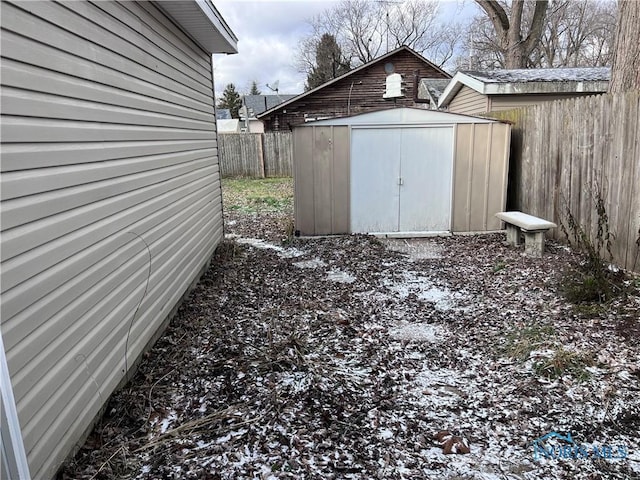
{"x": 341, "y": 358}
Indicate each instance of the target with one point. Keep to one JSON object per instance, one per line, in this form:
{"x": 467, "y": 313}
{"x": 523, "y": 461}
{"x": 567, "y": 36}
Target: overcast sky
{"x": 269, "y": 32}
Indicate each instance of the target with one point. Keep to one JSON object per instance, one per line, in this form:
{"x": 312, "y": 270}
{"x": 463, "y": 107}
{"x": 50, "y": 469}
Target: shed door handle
{"x": 400, "y": 181}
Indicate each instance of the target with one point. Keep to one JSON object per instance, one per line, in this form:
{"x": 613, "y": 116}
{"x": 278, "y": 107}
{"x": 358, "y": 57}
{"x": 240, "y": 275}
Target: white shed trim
{"x": 401, "y": 116}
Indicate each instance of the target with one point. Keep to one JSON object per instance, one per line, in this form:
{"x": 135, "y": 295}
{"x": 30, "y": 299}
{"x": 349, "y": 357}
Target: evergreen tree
{"x": 231, "y": 100}
{"x": 330, "y": 63}
{"x": 254, "y": 89}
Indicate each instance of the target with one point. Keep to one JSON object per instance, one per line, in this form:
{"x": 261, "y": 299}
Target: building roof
{"x": 351, "y": 72}
{"x": 432, "y": 88}
{"x": 256, "y": 104}
{"x": 203, "y": 23}
{"x": 529, "y": 81}
{"x": 401, "y": 116}
{"x": 223, "y": 114}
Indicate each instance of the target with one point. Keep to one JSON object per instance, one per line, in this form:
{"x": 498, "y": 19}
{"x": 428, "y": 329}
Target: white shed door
{"x": 401, "y": 179}
{"x": 375, "y": 170}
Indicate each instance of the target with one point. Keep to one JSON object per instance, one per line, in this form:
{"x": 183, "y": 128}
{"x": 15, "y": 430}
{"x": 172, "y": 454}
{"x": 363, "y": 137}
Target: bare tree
{"x": 574, "y": 33}
{"x": 515, "y": 40}
{"x": 625, "y": 74}
{"x": 577, "y": 34}
{"x": 366, "y": 29}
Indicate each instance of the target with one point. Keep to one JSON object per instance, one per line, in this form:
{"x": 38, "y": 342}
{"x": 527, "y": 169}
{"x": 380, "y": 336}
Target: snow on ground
{"x": 340, "y": 358}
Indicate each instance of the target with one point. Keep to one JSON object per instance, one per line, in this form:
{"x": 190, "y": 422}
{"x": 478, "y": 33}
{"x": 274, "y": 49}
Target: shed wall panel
{"x": 303, "y": 152}
{"x": 480, "y": 176}
{"x": 341, "y": 180}
{"x": 111, "y": 201}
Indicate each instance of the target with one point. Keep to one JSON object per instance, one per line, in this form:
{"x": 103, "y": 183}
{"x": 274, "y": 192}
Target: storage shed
{"x": 111, "y": 203}
{"x": 400, "y": 172}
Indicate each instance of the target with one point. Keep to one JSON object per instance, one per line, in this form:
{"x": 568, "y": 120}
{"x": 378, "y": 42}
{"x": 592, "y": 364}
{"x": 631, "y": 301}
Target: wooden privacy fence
{"x": 563, "y": 152}
{"x": 255, "y": 155}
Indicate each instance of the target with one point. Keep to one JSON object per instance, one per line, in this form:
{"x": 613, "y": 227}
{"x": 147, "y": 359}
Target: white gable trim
{"x": 203, "y": 23}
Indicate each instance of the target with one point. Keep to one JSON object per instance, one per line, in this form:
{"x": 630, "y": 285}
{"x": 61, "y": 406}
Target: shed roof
{"x": 401, "y": 116}
{"x": 203, "y": 23}
{"x": 529, "y": 81}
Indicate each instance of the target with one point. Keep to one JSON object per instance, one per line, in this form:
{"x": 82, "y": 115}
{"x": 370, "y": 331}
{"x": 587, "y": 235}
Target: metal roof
{"x": 400, "y": 116}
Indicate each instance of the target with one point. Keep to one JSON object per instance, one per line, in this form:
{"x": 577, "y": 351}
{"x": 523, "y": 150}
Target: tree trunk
{"x": 515, "y": 49}
{"x": 625, "y": 73}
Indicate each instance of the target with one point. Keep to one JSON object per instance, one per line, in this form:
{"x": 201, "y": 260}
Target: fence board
{"x": 240, "y": 155}
{"x": 563, "y": 149}
{"x": 278, "y": 154}
{"x": 256, "y": 155}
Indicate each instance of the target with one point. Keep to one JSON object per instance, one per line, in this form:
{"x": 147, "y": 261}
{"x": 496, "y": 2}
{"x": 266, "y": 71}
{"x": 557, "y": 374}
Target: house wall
{"x": 111, "y": 202}
{"x": 469, "y": 102}
{"x": 333, "y": 100}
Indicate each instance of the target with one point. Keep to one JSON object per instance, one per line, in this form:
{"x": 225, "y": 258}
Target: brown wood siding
{"x": 469, "y": 102}
{"x": 333, "y": 100}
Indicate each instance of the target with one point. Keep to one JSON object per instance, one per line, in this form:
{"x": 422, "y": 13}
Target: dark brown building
{"x": 358, "y": 91}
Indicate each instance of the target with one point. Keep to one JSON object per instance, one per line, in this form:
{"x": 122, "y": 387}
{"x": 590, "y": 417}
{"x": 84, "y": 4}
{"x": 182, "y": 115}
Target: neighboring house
{"x": 358, "y": 91}
{"x": 253, "y": 105}
{"x": 231, "y": 125}
{"x": 431, "y": 89}
{"x": 475, "y": 93}
{"x": 223, "y": 114}
{"x": 256, "y": 104}
{"x": 111, "y": 203}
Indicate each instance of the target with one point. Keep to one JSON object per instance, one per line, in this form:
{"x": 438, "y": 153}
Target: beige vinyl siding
{"x": 111, "y": 203}
{"x": 469, "y": 102}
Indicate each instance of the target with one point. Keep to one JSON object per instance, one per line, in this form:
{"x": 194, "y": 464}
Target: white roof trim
{"x": 203, "y": 23}
{"x": 350, "y": 72}
{"x": 461, "y": 79}
{"x": 455, "y": 85}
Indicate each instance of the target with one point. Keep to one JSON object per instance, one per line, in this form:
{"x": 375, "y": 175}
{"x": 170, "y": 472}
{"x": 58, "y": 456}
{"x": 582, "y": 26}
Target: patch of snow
{"x": 313, "y": 263}
{"x": 261, "y": 244}
{"x": 166, "y": 422}
{"x": 419, "y": 332}
{"x": 340, "y": 276}
{"x": 408, "y": 283}
{"x": 416, "y": 248}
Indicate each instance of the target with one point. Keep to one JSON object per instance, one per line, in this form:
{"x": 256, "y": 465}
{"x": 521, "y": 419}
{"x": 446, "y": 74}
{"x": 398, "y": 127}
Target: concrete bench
{"x": 532, "y": 227}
